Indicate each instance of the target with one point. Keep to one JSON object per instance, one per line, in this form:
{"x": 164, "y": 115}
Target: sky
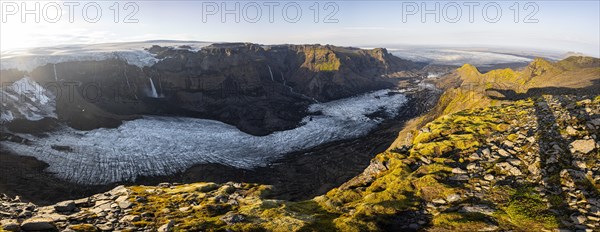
{"x": 540, "y": 25}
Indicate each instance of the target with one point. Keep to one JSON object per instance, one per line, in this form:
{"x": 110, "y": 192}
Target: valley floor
{"x": 298, "y": 175}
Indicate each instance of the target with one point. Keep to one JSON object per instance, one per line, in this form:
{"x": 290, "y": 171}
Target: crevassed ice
{"x": 166, "y": 145}
{"x": 28, "y": 63}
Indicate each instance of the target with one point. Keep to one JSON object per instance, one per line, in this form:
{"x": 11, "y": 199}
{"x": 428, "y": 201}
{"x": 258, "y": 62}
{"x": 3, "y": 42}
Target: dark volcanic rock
{"x": 259, "y": 89}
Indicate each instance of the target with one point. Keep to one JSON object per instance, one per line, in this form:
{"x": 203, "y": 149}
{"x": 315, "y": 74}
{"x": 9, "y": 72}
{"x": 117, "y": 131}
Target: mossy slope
{"x": 417, "y": 184}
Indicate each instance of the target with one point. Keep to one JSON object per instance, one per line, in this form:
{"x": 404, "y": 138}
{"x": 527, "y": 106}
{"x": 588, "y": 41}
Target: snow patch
{"x": 26, "y": 99}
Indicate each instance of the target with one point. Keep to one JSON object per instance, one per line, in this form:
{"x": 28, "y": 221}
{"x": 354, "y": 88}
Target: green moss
{"x": 555, "y": 200}
{"x": 461, "y": 221}
{"x": 328, "y": 66}
{"x": 429, "y": 188}
{"x": 322, "y": 59}
{"x": 351, "y": 224}
{"x": 502, "y": 127}
{"x": 512, "y": 137}
{"x": 81, "y": 227}
{"x": 207, "y": 187}
{"x": 433, "y": 168}
{"x": 464, "y": 141}
{"x": 433, "y": 148}
{"x": 322, "y": 219}
{"x": 423, "y": 137}
{"x": 527, "y": 210}
{"x": 347, "y": 196}
{"x": 141, "y": 224}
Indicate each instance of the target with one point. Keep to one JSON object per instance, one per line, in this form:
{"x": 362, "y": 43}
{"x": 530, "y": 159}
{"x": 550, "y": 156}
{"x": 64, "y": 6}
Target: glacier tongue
{"x": 26, "y": 99}
{"x": 165, "y": 145}
{"x": 133, "y": 53}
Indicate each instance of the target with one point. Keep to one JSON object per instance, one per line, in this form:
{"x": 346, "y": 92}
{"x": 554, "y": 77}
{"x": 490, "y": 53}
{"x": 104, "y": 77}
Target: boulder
{"x": 130, "y": 218}
{"x": 105, "y": 227}
{"x": 503, "y": 153}
{"x": 439, "y": 201}
{"x": 483, "y": 209}
{"x": 65, "y": 206}
{"x": 118, "y": 191}
{"x": 485, "y": 152}
{"x": 124, "y": 202}
{"x": 579, "y": 164}
{"x": 453, "y": 198}
{"x": 38, "y": 224}
{"x": 83, "y": 202}
{"x": 583, "y": 146}
{"x": 571, "y": 131}
{"x": 10, "y": 225}
{"x": 167, "y": 226}
{"x": 232, "y": 218}
{"x": 458, "y": 171}
{"x": 511, "y": 170}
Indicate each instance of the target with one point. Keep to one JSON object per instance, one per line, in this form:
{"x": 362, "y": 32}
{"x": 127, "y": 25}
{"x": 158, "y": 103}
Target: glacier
{"x": 156, "y": 145}
{"x": 133, "y": 53}
{"x": 457, "y": 57}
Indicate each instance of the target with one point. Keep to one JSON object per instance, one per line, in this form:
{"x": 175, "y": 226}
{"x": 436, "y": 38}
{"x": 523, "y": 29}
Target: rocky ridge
{"x": 531, "y": 164}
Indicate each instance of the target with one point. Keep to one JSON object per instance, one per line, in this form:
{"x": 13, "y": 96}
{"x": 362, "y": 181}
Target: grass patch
{"x": 527, "y": 210}
{"x": 461, "y": 221}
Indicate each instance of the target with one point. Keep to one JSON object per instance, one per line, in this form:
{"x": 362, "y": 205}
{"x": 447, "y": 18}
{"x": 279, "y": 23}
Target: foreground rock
{"x": 38, "y": 224}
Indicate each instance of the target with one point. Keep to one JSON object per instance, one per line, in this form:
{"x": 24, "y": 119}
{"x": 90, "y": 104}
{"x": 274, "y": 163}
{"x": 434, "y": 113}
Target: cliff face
{"x": 257, "y": 88}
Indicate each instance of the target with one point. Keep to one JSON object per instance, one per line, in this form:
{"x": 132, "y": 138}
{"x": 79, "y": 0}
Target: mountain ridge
{"x": 259, "y": 89}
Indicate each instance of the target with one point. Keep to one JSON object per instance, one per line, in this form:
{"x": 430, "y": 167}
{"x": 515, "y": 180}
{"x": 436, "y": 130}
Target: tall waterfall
{"x": 153, "y": 94}
{"x": 271, "y": 73}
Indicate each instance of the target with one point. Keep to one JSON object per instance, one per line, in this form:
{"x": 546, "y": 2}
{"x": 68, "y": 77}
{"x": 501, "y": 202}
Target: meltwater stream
{"x": 166, "y": 145}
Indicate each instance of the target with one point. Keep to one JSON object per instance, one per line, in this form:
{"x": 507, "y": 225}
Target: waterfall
{"x": 271, "y": 73}
{"x": 154, "y": 94}
{"x": 55, "y": 76}
{"x": 128, "y": 84}
{"x": 285, "y": 83}
{"x": 282, "y": 78}
{"x": 294, "y": 92}
{"x": 127, "y": 79}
